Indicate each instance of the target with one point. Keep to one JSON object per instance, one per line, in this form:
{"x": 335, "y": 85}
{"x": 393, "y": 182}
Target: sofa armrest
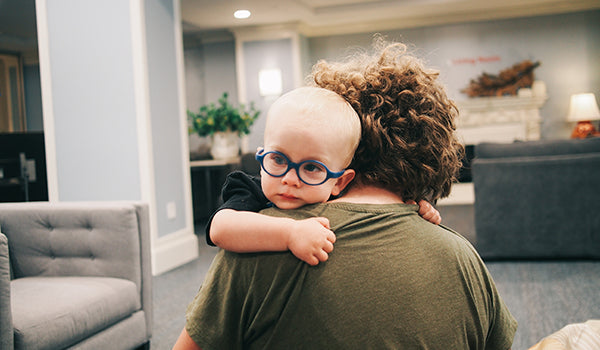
{"x": 6, "y": 326}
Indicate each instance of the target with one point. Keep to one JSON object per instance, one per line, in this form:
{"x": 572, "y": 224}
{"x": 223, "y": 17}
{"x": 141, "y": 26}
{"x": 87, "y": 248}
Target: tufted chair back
{"x": 74, "y": 242}
{"x": 79, "y": 240}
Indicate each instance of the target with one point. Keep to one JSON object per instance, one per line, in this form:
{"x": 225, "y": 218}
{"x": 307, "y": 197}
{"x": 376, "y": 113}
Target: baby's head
{"x": 308, "y": 124}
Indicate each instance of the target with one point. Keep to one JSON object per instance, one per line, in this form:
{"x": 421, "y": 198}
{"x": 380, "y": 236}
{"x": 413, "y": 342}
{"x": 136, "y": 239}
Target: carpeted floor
{"x": 173, "y": 291}
{"x": 545, "y": 296}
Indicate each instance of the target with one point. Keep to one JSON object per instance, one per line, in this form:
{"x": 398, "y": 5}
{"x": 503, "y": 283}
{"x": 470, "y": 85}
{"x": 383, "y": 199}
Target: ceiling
{"x": 330, "y": 17}
{"x": 310, "y": 17}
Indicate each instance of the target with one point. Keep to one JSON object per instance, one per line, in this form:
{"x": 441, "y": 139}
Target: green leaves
{"x": 222, "y": 117}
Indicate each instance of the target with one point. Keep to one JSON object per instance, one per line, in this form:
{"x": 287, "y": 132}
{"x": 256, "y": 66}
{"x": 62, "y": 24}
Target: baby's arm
{"x": 309, "y": 240}
{"x": 236, "y": 227}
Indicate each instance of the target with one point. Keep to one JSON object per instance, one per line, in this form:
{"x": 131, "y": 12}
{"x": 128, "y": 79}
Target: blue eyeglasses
{"x": 311, "y": 172}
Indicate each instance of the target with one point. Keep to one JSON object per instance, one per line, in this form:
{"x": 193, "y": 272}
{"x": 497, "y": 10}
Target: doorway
{"x": 12, "y": 105}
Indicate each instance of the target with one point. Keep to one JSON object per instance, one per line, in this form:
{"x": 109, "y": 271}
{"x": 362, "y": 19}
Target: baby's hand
{"x": 311, "y": 240}
{"x": 428, "y": 212}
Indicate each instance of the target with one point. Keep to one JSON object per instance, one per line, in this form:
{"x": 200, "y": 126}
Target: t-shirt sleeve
{"x": 503, "y": 327}
{"x": 240, "y": 192}
{"x": 213, "y": 317}
{"x": 498, "y": 323}
{"x": 242, "y": 298}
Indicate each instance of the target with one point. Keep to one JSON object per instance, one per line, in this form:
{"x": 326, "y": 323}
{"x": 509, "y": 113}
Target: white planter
{"x": 245, "y": 144}
{"x": 225, "y": 145}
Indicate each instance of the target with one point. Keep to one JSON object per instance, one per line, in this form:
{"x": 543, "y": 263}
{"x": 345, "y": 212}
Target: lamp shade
{"x": 583, "y": 107}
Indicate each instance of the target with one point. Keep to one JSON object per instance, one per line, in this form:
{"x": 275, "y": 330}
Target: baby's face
{"x": 300, "y": 143}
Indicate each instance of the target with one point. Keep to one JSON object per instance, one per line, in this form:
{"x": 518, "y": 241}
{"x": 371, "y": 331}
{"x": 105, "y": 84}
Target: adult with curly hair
{"x": 408, "y": 144}
{"x": 394, "y": 280}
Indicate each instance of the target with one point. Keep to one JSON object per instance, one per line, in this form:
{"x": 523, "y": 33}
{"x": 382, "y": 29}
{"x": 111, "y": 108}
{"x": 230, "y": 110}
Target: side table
{"x": 213, "y": 170}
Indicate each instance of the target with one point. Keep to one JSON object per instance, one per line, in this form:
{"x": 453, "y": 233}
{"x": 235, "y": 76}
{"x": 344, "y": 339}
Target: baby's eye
{"x": 279, "y": 160}
{"x": 313, "y": 167}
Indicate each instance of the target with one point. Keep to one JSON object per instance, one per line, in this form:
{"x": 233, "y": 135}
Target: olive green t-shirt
{"x": 393, "y": 281}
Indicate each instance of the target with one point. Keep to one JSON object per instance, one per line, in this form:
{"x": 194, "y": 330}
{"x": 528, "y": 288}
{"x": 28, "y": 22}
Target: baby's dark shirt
{"x": 240, "y": 192}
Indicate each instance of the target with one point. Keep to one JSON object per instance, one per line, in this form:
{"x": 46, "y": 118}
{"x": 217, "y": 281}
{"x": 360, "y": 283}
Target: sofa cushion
{"x": 56, "y": 312}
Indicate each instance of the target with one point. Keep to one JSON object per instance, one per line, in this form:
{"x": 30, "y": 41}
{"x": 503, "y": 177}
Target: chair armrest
{"x": 6, "y": 326}
{"x": 143, "y": 216}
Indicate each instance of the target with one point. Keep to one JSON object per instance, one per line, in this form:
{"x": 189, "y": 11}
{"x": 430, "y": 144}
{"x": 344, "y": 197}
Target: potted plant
{"x": 225, "y": 124}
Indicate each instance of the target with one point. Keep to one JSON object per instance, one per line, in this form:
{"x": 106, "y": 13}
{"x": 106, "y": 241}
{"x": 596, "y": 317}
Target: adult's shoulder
{"x": 304, "y": 212}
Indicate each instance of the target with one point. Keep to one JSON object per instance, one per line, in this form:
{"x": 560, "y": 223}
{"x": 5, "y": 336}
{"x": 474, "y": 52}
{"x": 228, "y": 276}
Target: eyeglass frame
{"x": 296, "y": 166}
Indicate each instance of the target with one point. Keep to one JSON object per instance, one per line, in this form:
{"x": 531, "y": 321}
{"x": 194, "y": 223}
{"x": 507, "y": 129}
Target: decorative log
{"x": 507, "y": 82}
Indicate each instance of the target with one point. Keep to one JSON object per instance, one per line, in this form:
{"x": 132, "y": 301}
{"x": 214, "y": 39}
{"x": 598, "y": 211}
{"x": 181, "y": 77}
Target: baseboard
{"x": 174, "y": 250}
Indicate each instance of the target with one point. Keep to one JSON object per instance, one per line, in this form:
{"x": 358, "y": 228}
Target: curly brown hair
{"x": 408, "y": 144}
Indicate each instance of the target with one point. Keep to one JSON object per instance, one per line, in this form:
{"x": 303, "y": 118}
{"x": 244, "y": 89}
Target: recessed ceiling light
{"x": 241, "y": 14}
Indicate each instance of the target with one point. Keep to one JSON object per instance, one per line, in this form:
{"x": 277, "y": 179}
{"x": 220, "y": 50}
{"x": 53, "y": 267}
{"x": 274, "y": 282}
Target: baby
{"x": 310, "y": 137}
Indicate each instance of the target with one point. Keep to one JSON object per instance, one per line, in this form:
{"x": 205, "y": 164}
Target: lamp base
{"x": 583, "y": 129}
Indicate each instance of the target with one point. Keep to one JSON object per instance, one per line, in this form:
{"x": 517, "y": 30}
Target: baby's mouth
{"x": 288, "y": 196}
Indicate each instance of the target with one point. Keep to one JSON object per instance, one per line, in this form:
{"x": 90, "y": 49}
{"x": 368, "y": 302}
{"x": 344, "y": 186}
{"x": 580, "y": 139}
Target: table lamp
{"x": 583, "y": 110}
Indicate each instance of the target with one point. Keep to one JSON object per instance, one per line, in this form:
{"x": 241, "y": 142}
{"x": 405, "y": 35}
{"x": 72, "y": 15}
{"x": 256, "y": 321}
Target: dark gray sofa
{"x": 537, "y": 223}
{"x": 538, "y": 199}
{"x": 75, "y": 275}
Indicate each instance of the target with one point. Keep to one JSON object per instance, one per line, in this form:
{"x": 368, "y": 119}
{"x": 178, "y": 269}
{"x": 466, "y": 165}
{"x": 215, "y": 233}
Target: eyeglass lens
{"x": 310, "y": 172}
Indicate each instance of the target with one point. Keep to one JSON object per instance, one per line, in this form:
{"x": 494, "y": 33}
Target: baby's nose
{"x": 291, "y": 178}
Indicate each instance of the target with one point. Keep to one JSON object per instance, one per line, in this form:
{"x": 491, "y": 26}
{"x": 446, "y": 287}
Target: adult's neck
{"x": 369, "y": 195}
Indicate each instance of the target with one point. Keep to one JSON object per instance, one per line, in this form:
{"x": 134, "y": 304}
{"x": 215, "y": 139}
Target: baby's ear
{"x": 342, "y": 181}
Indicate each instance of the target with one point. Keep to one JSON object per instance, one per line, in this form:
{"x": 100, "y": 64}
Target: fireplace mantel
{"x": 501, "y": 119}
{"x": 496, "y": 119}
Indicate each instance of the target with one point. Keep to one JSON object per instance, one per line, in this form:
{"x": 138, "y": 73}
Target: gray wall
{"x": 93, "y": 100}
{"x": 567, "y": 46}
{"x": 209, "y": 71}
{"x": 260, "y": 55}
{"x": 99, "y": 126}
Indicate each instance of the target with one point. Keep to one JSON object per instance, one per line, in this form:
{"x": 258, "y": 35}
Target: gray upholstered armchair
{"x": 75, "y": 275}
